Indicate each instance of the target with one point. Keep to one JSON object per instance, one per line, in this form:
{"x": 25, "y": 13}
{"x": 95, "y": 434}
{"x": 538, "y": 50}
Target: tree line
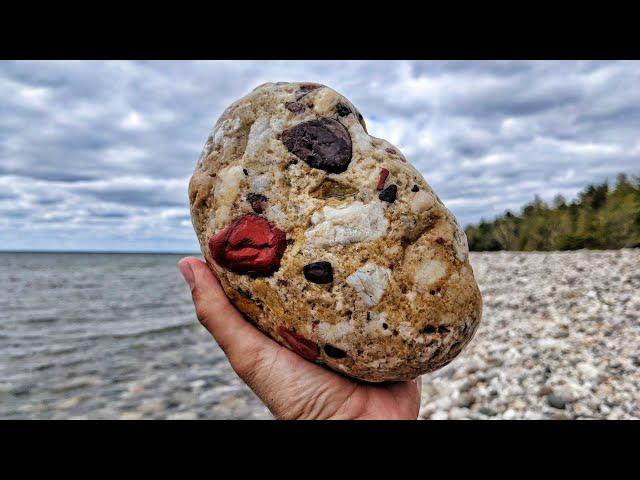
{"x": 601, "y": 217}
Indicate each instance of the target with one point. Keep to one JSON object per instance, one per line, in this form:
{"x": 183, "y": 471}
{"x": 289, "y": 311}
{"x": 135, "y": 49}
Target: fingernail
{"x": 187, "y": 273}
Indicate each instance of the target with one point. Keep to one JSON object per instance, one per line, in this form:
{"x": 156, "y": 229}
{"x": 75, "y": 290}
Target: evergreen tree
{"x": 600, "y": 218}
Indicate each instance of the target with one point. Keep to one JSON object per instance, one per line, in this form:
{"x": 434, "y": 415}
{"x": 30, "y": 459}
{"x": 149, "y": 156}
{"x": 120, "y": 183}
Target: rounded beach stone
{"x": 328, "y": 240}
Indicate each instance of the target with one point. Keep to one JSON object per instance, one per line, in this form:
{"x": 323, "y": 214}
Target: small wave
{"x": 142, "y": 333}
{"x": 40, "y": 320}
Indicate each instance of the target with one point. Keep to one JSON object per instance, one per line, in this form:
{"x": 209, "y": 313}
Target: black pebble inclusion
{"x": 323, "y": 143}
{"x": 334, "y": 352}
{"x": 342, "y": 110}
{"x": 389, "y": 194}
{"x": 318, "y": 272}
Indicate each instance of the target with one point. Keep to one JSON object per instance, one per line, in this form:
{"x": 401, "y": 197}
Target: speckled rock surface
{"x": 374, "y": 281}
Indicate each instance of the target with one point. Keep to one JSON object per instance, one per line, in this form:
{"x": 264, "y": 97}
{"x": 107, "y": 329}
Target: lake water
{"x": 108, "y": 336}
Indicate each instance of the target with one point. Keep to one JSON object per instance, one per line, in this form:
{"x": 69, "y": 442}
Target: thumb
{"x": 239, "y": 340}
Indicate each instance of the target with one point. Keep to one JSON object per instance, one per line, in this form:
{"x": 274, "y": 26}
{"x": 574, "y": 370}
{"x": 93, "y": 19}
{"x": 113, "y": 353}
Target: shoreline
{"x": 557, "y": 341}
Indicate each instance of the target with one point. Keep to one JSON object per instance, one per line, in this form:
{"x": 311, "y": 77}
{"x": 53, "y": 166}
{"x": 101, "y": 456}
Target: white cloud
{"x": 586, "y": 148}
{"x": 97, "y": 155}
{"x": 133, "y": 121}
{"x": 34, "y": 96}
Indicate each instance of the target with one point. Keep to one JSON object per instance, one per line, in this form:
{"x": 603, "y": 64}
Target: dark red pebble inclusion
{"x": 295, "y": 107}
{"x": 305, "y": 90}
{"x": 302, "y": 346}
{"x": 384, "y": 173}
{"x": 249, "y": 245}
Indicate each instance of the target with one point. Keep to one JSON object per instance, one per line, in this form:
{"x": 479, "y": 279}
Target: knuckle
{"x": 195, "y": 294}
{"x": 225, "y": 348}
{"x": 201, "y": 314}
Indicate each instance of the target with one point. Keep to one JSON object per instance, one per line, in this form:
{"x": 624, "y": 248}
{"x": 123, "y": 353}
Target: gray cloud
{"x": 97, "y": 155}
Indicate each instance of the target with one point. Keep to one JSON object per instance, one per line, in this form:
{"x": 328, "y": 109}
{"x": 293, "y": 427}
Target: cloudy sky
{"x": 97, "y": 155}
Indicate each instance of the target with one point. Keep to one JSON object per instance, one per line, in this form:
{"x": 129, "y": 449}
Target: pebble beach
{"x": 559, "y": 339}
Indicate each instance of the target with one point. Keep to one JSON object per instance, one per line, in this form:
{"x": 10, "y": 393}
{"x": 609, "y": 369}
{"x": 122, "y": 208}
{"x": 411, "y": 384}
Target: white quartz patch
{"x": 405, "y": 330}
{"x": 228, "y": 126}
{"x": 376, "y": 323}
{"x": 422, "y": 201}
{"x": 275, "y": 215}
{"x": 361, "y": 140}
{"x": 430, "y": 271}
{"x": 217, "y": 135}
{"x": 262, "y": 130}
{"x": 226, "y": 191}
{"x": 228, "y": 185}
{"x": 260, "y": 183}
{"x": 370, "y": 281}
{"x": 336, "y": 333}
{"x": 350, "y": 223}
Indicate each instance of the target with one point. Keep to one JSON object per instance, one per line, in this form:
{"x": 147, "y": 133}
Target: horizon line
{"x": 100, "y": 252}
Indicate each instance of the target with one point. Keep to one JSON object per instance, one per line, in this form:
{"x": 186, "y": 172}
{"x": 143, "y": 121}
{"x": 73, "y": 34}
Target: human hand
{"x": 290, "y": 386}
